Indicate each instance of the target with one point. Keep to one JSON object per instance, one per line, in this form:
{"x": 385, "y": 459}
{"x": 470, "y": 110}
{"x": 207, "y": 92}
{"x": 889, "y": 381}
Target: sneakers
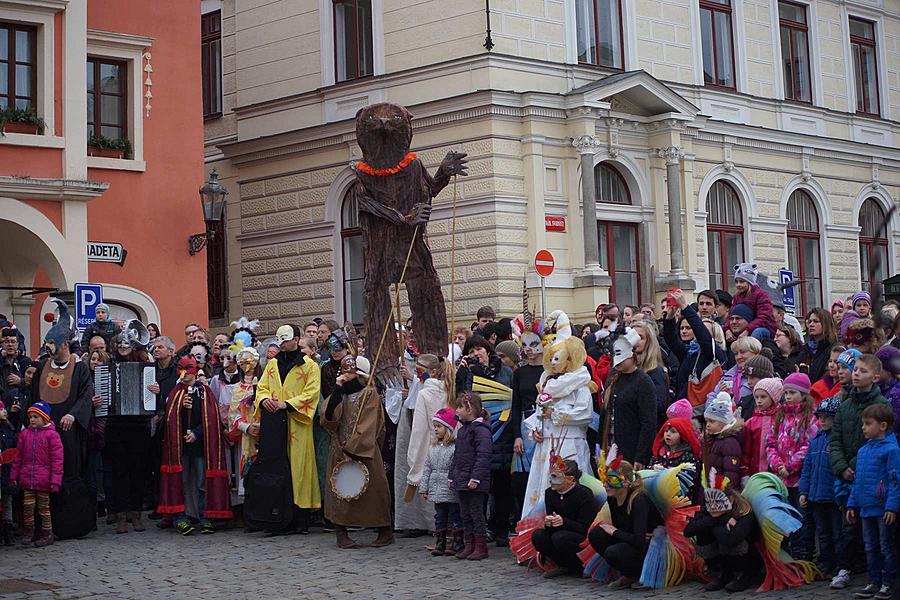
{"x": 184, "y": 527}
{"x": 869, "y": 591}
{"x": 885, "y": 593}
{"x": 840, "y": 581}
{"x": 208, "y": 528}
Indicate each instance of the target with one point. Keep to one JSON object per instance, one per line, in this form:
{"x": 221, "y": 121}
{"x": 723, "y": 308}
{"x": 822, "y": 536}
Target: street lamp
{"x": 212, "y": 198}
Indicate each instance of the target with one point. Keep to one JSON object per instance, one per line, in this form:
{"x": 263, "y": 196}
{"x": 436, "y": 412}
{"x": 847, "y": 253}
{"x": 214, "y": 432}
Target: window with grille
{"x": 795, "y": 51}
{"x": 599, "y": 33}
{"x": 107, "y": 98}
{"x": 211, "y": 63}
{"x": 610, "y": 186}
{"x": 353, "y": 53}
{"x": 804, "y": 258}
{"x": 865, "y": 69}
{"x": 18, "y": 67}
{"x": 718, "y": 43}
{"x": 353, "y": 261}
{"x": 724, "y": 234}
{"x": 873, "y": 244}
{"x": 217, "y": 272}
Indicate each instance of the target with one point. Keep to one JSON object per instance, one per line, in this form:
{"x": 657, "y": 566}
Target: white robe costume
{"x": 571, "y": 416}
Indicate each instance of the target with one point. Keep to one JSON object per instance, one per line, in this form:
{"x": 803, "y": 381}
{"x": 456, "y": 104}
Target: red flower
{"x": 368, "y": 170}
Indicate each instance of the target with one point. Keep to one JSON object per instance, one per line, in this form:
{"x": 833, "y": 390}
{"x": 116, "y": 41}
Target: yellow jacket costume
{"x": 300, "y": 390}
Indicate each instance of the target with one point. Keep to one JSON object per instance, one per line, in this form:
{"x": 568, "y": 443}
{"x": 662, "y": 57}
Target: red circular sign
{"x": 543, "y": 263}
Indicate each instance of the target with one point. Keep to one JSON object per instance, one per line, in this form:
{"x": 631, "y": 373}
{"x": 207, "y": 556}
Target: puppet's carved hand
{"x": 454, "y": 163}
{"x": 420, "y": 214}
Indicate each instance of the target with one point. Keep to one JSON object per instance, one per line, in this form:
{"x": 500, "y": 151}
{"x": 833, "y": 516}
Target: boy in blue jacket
{"x": 817, "y": 488}
{"x": 875, "y": 499}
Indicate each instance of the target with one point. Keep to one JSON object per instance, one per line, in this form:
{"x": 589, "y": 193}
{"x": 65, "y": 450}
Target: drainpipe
{"x": 488, "y": 42}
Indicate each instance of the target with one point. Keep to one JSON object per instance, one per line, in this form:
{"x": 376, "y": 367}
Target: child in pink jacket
{"x": 758, "y": 428}
{"x": 748, "y": 292}
{"x": 38, "y": 470}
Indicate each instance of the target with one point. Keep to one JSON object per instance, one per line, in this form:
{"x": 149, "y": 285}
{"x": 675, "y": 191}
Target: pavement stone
{"x": 161, "y": 564}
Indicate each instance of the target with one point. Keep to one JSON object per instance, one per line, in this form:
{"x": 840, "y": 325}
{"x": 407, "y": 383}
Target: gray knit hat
{"x": 720, "y": 409}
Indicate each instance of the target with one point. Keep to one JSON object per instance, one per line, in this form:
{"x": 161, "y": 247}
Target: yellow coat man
{"x": 291, "y": 382}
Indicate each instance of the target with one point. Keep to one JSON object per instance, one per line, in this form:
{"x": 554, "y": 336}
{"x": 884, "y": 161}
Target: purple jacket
{"x": 891, "y": 391}
{"x": 472, "y": 459}
{"x": 761, "y": 305}
{"x": 39, "y": 463}
{"x": 725, "y": 454}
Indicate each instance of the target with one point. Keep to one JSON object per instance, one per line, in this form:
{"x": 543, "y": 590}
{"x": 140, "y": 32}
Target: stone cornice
{"x": 27, "y": 188}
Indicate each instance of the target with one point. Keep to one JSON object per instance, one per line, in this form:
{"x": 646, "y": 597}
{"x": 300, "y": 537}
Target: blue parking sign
{"x": 87, "y": 297}
{"x": 787, "y": 294}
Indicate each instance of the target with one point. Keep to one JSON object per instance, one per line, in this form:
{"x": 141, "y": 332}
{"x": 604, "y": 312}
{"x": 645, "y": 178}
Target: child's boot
{"x": 738, "y": 584}
{"x": 480, "y": 551}
{"x": 121, "y": 522}
{"x": 27, "y": 535}
{"x": 457, "y": 543}
{"x": 135, "y": 519}
{"x": 468, "y": 546}
{"x": 45, "y": 539}
{"x": 440, "y": 543}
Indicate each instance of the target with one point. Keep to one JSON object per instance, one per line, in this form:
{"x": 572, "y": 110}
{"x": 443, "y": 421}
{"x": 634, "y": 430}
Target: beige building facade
{"x": 692, "y": 146}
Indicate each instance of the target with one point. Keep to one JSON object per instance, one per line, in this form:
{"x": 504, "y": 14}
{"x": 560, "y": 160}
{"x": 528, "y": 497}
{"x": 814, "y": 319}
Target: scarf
{"x": 693, "y": 347}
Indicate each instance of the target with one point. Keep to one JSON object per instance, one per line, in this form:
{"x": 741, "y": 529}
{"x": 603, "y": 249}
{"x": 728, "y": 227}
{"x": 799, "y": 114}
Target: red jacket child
{"x": 749, "y": 293}
{"x": 38, "y": 465}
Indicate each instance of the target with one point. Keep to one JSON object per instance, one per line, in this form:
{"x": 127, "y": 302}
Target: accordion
{"x": 123, "y": 387}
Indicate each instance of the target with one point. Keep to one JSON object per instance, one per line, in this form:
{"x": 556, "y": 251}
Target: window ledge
{"x": 116, "y": 164}
{"x": 35, "y": 141}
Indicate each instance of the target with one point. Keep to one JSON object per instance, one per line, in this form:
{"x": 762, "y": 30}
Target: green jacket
{"x": 846, "y": 433}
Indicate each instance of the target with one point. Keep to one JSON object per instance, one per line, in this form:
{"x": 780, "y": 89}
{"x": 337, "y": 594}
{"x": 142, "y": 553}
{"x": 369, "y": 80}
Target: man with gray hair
{"x": 166, "y": 378}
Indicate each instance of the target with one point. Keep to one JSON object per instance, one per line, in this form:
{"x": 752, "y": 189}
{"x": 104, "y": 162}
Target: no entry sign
{"x": 544, "y": 263}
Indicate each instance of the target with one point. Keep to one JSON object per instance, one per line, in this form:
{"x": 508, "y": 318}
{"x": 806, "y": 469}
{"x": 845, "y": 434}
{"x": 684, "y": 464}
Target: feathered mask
{"x": 528, "y": 330}
{"x": 609, "y": 469}
{"x": 557, "y": 462}
{"x": 714, "y": 494}
{"x": 187, "y": 365}
{"x": 859, "y": 336}
{"x": 244, "y": 331}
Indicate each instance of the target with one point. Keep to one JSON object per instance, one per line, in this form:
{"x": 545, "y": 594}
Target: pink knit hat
{"x": 797, "y": 381}
{"x": 681, "y": 409}
{"x": 772, "y": 386}
{"x": 447, "y": 418}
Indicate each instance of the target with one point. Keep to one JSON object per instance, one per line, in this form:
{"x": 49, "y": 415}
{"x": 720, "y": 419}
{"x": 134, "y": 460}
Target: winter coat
{"x": 817, "y": 355}
{"x": 876, "y": 489}
{"x": 502, "y": 451}
{"x": 846, "y": 433}
{"x": 633, "y": 418}
{"x": 472, "y": 459}
{"x": 761, "y": 305}
{"x": 891, "y": 391}
{"x": 821, "y": 390}
{"x": 691, "y": 361}
{"x": 817, "y": 479}
{"x": 106, "y": 329}
{"x": 757, "y": 430}
{"x": 725, "y": 453}
{"x": 788, "y": 443}
{"x": 39, "y": 463}
{"x": 436, "y": 472}
{"x": 8, "y": 439}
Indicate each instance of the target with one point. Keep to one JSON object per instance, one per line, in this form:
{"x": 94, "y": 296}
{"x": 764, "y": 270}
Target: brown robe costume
{"x": 359, "y": 435}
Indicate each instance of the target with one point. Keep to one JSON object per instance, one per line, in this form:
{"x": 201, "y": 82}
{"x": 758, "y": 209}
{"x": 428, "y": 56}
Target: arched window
{"x": 724, "y": 234}
{"x": 609, "y": 185}
{"x": 353, "y": 260}
{"x": 803, "y": 249}
{"x": 872, "y": 242}
{"x": 619, "y": 242}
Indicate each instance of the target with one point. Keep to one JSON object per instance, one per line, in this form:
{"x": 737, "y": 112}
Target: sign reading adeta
{"x": 111, "y": 252}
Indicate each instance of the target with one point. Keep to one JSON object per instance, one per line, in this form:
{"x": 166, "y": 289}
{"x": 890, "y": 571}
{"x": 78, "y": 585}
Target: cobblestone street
{"x": 161, "y": 564}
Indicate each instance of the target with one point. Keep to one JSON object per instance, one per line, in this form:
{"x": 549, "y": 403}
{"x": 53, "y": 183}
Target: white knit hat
{"x": 720, "y": 409}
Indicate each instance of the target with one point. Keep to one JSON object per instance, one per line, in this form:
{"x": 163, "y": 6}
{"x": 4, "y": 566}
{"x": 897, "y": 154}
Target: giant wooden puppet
{"x": 393, "y": 191}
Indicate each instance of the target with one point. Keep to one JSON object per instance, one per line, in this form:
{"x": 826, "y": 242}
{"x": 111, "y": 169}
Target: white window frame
{"x": 881, "y": 63}
{"x": 128, "y": 48}
{"x": 812, "y": 23}
{"x": 326, "y": 40}
{"x": 42, "y": 16}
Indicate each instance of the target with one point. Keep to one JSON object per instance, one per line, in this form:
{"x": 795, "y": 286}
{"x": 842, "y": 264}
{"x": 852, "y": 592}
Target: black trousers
{"x": 627, "y": 559}
{"x": 559, "y": 545}
{"x": 128, "y": 447}
{"x": 501, "y": 490}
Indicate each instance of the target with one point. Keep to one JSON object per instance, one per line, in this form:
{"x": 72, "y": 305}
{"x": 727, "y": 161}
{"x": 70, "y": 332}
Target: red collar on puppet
{"x": 369, "y": 170}
{"x": 609, "y": 472}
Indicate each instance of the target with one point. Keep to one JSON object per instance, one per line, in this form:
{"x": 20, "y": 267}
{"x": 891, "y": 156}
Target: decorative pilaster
{"x": 587, "y": 146}
{"x": 677, "y": 274}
